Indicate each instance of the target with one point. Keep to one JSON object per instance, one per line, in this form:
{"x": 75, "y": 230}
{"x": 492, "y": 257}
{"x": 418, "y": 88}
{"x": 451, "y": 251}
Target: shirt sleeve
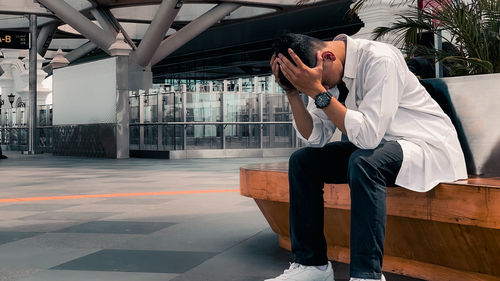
{"x": 378, "y": 104}
{"x": 323, "y": 128}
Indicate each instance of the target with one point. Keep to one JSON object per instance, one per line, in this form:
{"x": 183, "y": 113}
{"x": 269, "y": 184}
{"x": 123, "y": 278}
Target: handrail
{"x": 212, "y": 123}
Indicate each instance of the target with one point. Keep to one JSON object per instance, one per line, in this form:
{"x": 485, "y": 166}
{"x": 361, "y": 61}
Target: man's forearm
{"x": 302, "y": 118}
{"x": 336, "y": 113}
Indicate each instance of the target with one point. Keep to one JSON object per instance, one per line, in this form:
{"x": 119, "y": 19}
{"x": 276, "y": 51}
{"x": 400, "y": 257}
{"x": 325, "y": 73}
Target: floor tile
{"x": 118, "y": 227}
{"x": 138, "y": 261}
{"x": 207, "y": 233}
{"x": 76, "y": 216}
{"x": 74, "y": 240}
{"x": 34, "y": 207}
{"x": 34, "y": 225}
{"x": 7, "y": 237}
{"x": 15, "y": 273}
{"x": 13, "y": 255}
{"x": 75, "y": 275}
{"x": 146, "y": 200}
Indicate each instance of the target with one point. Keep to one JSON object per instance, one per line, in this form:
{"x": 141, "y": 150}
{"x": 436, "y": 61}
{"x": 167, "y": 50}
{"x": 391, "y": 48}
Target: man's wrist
{"x": 293, "y": 92}
{"x": 316, "y": 91}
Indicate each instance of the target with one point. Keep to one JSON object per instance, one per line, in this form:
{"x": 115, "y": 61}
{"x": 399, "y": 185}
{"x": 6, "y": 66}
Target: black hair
{"x": 303, "y": 46}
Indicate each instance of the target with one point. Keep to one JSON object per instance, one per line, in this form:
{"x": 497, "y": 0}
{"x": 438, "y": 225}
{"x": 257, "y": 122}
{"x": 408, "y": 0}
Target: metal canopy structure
{"x": 190, "y": 39}
{"x": 244, "y": 48}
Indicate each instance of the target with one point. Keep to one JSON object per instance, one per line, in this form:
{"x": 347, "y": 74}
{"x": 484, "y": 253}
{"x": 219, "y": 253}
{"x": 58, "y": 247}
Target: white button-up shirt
{"x": 386, "y": 102}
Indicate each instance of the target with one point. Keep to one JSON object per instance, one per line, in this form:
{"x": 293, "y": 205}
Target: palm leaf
{"x": 474, "y": 29}
{"x": 478, "y": 64}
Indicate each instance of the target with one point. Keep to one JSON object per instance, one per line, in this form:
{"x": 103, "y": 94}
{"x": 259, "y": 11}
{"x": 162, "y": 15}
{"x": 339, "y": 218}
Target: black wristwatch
{"x": 322, "y": 100}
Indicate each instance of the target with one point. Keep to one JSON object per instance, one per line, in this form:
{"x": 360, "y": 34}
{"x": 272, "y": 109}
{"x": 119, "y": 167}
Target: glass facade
{"x": 242, "y": 113}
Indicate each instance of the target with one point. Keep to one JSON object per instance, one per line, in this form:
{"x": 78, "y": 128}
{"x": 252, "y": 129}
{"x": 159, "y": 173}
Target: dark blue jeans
{"x": 368, "y": 172}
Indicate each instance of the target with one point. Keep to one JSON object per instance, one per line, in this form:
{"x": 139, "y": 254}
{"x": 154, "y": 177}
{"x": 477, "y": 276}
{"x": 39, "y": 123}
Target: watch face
{"x": 322, "y": 100}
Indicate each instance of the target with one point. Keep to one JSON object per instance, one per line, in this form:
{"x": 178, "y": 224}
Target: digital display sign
{"x": 14, "y": 39}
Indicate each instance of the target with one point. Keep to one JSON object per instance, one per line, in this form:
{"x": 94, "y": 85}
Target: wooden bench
{"x": 450, "y": 233}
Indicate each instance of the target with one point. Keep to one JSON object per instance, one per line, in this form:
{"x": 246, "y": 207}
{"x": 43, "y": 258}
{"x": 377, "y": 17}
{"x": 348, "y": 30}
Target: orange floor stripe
{"x": 26, "y": 199}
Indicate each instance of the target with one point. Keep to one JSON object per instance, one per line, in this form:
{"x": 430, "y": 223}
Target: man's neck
{"x": 339, "y": 49}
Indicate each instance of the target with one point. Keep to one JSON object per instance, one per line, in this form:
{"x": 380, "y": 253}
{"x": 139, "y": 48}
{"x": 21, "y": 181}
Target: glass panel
{"x": 242, "y": 136}
{"x": 204, "y": 86}
{"x": 135, "y": 135}
{"x": 150, "y": 108}
{"x": 204, "y": 137}
{"x": 233, "y": 85}
{"x": 241, "y": 107}
{"x": 203, "y": 107}
{"x": 134, "y": 101}
{"x": 42, "y": 117}
{"x": 276, "y": 108}
{"x": 278, "y": 135}
{"x": 218, "y": 86}
{"x": 248, "y": 86}
{"x": 173, "y": 137}
{"x": 151, "y": 135}
{"x": 278, "y": 88}
{"x": 264, "y": 84}
{"x": 172, "y": 107}
{"x": 45, "y": 135}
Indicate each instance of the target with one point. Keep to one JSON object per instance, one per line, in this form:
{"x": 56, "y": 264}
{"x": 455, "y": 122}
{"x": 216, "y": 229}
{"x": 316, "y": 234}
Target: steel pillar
{"x": 80, "y": 23}
{"x": 32, "y": 108}
{"x": 159, "y": 26}
{"x": 184, "y": 115}
{"x": 191, "y": 30}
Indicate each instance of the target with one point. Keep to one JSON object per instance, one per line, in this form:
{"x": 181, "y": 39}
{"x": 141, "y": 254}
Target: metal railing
{"x": 14, "y": 131}
{"x": 16, "y": 138}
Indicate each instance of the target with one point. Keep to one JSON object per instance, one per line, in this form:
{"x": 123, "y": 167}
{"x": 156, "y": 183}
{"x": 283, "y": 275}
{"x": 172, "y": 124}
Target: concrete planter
{"x": 475, "y": 112}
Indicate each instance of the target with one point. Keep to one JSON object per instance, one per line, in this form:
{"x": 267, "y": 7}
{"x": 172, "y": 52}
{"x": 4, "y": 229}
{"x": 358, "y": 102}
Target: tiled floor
{"x": 197, "y": 236}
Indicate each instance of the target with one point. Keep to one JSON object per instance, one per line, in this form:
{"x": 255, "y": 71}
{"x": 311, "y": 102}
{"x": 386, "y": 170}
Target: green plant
{"x": 473, "y": 27}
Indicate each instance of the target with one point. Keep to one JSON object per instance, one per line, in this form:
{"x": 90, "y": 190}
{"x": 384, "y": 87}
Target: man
{"x": 397, "y": 135}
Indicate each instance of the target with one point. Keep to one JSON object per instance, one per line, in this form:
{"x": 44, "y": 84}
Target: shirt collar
{"x": 351, "y": 55}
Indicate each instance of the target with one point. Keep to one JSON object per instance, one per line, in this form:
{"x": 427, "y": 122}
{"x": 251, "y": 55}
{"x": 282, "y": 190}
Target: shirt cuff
{"x": 315, "y": 139}
{"x": 352, "y": 122}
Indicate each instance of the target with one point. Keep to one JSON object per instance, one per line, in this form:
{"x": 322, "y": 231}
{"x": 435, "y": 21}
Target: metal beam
{"x": 159, "y": 26}
{"x": 117, "y": 26}
{"x": 80, "y": 51}
{"x": 45, "y": 37}
{"x": 191, "y": 30}
{"x": 105, "y": 24}
{"x": 80, "y": 23}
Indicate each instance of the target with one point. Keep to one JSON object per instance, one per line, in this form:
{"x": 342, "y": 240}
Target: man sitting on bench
{"x": 396, "y": 135}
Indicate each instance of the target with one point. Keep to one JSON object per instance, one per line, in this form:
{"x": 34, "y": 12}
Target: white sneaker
{"x": 299, "y": 272}
{"x": 361, "y": 279}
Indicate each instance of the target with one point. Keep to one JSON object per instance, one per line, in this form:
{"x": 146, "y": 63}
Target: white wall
{"x": 85, "y": 93}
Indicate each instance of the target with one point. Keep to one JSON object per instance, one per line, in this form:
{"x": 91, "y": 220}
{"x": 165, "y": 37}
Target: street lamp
{"x": 11, "y": 99}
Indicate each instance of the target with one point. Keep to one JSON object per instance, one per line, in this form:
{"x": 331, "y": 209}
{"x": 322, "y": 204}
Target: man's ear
{"x": 327, "y": 55}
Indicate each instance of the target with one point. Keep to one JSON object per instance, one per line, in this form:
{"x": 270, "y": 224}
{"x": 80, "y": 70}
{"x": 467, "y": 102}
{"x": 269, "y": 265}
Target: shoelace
{"x": 293, "y": 267}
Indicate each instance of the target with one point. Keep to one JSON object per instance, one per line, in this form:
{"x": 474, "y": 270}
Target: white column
{"x": 378, "y": 13}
